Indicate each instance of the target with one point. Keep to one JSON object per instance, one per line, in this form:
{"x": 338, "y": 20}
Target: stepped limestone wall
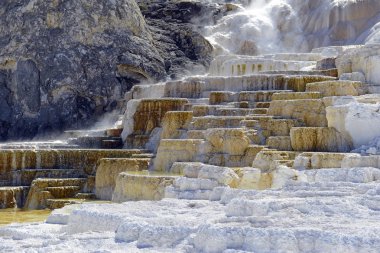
{"x": 269, "y": 153}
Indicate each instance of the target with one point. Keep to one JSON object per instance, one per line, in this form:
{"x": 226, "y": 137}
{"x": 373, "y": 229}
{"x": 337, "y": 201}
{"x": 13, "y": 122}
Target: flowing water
{"x": 13, "y": 215}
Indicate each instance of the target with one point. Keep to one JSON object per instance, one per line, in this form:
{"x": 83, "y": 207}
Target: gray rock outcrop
{"x": 64, "y": 63}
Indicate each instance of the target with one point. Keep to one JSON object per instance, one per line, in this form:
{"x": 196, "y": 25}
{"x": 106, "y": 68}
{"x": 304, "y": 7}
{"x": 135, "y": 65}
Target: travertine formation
{"x": 263, "y": 128}
{"x": 267, "y": 153}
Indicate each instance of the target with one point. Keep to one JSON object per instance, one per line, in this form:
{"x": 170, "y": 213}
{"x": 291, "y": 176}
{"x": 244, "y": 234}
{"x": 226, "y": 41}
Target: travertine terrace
{"x": 268, "y": 153}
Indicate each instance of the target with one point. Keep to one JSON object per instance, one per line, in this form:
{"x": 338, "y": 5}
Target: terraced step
{"x": 222, "y": 97}
{"x": 296, "y": 95}
{"x": 114, "y": 143}
{"x": 114, "y": 132}
{"x": 288, "y": 163}
{"x": 12, "y": 196}
{"x": 97, "y": 142}
{"x": 338, "y": 88}
{"x": 298, "y": 56}
{"x": 90, "y": 186}
{"x": 57, "y": 182}
{"x": 59, "y": 203}
{"x": 195, "y": 87}
{"x": 282, "y": 143}
{"x": 63, "y": 191}
{"x": 51, "y": 188}
{"x": 108, "y": 170}
{"x": 263, "y": 104}
{"x": 35, "y": 145}
{"x": 203, "y": 123}
{"x": 233, "y": 112}
{"x": 82, "y": 195}
{"x": 143, "y": 155}
{"x": 204, "y": 110}
{"x": 200, "y": 101}
{"x": 319, "y": 160}
{"x": 328, "y": 72}
{"x": 246, "y": 65}
{"x": 81, "y": 133}
{"x": 262, "y": 111}
{"x": 195, "y": 134}
{"x": 281, "y": 127}
{"x": 26, "y": 176}
{"x": 261, "y": 117}
{"x": 310, "y": 111}
{"x": 323, "y": 139}
{"x": 249, "y": 123}
{"x": 268, "y": 160}
{"x": 137, "y": 141}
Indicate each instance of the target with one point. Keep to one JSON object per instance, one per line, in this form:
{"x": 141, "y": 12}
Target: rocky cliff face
{"x": 63, "y": 63}
{"x": 173, "y": 25}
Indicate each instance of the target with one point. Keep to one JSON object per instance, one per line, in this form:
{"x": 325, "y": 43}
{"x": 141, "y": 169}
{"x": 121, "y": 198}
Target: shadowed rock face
{"x": 63, "y": 63}
{"x": 172, "y": 26}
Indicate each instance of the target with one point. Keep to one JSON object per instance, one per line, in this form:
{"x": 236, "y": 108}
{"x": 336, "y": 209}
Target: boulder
{"x": 63, "y": 63}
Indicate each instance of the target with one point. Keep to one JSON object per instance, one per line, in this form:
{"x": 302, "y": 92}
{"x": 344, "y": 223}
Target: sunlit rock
{"x": 338, "y": 88}
{"x": 140, "y": 187}
{"x": 43, "y": 190}
{"x": 311, "y": 111}
{"x": 323, "y": 139}
{"x": 175, "y": 124}
{"x": 357, "y": 121}
{"x": 318, "y": 160}
{"x": 364, "y": 59}
{"x": 230, "y": 141}
{"x": 143, "y": 116}
{"x": 170, "y": 151}
{"x": 108, "y": 170}
{"x": 267, "y": 160}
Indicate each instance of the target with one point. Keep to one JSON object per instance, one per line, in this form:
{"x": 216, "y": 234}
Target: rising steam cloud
{"x": 263, "y": 27}
{"x": 275, "y": 26}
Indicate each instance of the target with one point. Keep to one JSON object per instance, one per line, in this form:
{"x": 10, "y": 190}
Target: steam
{"x": 276, "y": 26}
{"x": 266, "y": 26}
{"x": 107, "y": 121}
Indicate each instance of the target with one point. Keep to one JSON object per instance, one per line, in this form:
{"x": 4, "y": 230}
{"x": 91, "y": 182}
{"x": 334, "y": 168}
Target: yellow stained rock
{"x": 173, "y": 122}
{"x": 323, "y": 139}
{"x": 170, "y": 151}
{"x": 227, "y": 140}
{"x": 337, "y": 88}
{"x": 108, "y": 170}
{"x": 140, "y": 187}
{"x": 310, "y": 111}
